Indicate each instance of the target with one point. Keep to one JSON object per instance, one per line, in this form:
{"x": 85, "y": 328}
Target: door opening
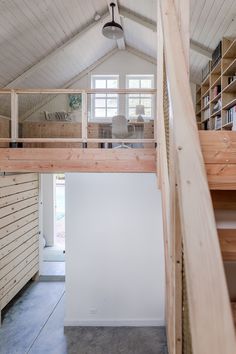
{"x": 53, "y": 220}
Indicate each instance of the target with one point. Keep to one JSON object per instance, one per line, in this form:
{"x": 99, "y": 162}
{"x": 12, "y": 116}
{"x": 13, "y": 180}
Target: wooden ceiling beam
{"x": 152, "y": 25}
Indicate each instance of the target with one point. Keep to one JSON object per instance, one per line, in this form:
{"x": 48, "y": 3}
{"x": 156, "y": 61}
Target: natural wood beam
{"x": 120, "y": 42}
{"x": 208, "y": 298}
{"x": 77, "y": 160}
{"x": 152, "y": 25}
{"x": 14, "y": 83}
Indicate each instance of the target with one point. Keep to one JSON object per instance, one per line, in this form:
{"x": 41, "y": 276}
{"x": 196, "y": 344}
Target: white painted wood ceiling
{"x": 32, "y": 30}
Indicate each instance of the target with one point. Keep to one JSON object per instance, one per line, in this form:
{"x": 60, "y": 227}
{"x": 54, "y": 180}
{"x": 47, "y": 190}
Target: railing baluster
{"x": 14, "y": 117}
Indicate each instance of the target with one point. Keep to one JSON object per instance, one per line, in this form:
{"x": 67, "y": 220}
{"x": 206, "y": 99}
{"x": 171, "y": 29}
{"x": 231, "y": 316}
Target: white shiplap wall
{"x": 30, "y": 30}
{"x": 210, "y": 20}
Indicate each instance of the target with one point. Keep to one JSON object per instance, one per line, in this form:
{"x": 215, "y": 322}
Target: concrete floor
{"x": 53, "y": 268}
{"x": 33, "y": 324}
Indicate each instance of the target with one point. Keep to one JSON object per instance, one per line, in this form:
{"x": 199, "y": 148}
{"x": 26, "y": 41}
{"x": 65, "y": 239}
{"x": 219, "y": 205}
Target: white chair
{"x": 120, "y": 130}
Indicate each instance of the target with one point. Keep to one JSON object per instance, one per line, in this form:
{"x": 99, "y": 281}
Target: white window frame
{"x": 102, "y": 77}
{"x": 139, "y": 96}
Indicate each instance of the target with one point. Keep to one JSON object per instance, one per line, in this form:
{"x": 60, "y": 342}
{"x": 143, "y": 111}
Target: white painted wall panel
{"x": 114, "y": 250}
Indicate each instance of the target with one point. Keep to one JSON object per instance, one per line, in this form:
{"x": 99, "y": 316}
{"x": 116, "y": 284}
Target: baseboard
{"x": 115, "y": 323}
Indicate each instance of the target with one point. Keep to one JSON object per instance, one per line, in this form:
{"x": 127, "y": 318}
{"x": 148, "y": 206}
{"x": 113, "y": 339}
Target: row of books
{"x": 218, "y": 122}
{"x": 206, "y": 100}
{"x": 206, "y": 113}
{"x": 231, "y": 115}
{"x": 217, "y": 106}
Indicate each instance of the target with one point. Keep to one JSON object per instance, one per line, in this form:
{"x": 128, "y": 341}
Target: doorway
{"x": 53, "y": 224}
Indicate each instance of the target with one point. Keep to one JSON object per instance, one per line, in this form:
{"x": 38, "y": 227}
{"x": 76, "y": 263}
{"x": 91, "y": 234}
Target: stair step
{"x": 233, "y": 306}
{"x": 227, "y": 238}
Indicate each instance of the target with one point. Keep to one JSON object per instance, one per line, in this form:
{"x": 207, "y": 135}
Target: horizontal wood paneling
{"x": 19, "y": 232}
{"x": 20, "y": 266}
{"x": 14, "y": 236}
{"x": 16, "y": 252}
{"x": 4, "y": 251}
{"x": 8, "y": 297}
{"x": 13, "y": 180}
{"x": 6, "y": 191}
{"x": 7, "y": 230}
{"x": 16, "y": 279}
{"x": 10, "y": 266}
{"x": 78, "y": 160}
{"x": 11, "y": 199}
{"x": 4, "y": 211}
{"x": 9, "y": 219}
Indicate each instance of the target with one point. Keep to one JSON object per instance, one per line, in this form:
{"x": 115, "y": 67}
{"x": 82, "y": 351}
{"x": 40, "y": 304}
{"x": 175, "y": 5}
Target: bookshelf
{"x": 216, "y": 96}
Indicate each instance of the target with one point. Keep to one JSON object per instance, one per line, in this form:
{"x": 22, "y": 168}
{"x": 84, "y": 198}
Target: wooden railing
{"x": 83, "y": 138}
{"x": 198, "y": 312}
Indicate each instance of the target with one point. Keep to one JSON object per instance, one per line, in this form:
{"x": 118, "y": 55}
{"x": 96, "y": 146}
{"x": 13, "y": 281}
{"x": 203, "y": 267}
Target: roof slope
{"x": 47, "y": 43}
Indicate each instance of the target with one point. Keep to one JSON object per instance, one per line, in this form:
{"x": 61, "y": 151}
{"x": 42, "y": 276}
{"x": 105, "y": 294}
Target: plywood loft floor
{"x": 34, "y": 324}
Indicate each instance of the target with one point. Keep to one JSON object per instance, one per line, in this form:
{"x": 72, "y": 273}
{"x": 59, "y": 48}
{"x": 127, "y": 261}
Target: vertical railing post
{"x": 84, "y": 118}
{"x": 14, "y": 119}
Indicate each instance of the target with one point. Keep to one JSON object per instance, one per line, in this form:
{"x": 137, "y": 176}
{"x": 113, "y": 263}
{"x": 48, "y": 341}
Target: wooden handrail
{"x": 75, "y": 91}
{"x": 211, "y": 322}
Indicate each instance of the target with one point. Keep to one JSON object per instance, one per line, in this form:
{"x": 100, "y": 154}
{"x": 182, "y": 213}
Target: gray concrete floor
{"x": 33, "y": 324}
{"x": 53, "y": 268}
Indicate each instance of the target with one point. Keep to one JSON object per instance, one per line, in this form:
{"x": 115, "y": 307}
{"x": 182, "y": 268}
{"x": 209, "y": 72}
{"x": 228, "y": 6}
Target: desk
{"x": 103, "y": 130}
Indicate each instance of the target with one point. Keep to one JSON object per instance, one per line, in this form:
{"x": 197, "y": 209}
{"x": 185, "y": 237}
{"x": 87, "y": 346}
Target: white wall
{"x": 48, "y": 208}
{"x": 121, "y": 63}
{"x": 114, "y": 250}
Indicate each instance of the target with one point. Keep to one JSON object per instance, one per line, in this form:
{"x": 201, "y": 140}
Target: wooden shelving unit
{"x": 217, "y": 95}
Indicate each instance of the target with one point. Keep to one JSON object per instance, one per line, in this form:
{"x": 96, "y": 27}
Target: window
{"x": 140, "y": 82}
{"x": 104, "y": 106}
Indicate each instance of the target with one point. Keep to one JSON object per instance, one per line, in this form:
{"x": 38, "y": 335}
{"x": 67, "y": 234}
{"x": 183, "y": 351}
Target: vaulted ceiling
{"x": 48, "y": 43}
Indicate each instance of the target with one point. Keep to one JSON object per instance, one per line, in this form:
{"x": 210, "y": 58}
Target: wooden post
{"x": 211, "y": 321}
{"x": 84, "y": 118}
{"x": 14, "y": 116}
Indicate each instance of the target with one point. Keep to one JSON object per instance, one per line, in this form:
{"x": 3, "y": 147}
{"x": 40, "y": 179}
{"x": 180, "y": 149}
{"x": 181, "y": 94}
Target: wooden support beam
{"x": 208, "y": 298}
{"x": 77, "y": 160}
{"x": 152, "y": 25}
{"x": 200, "y": 49}
{"x": 135, "y": 17}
